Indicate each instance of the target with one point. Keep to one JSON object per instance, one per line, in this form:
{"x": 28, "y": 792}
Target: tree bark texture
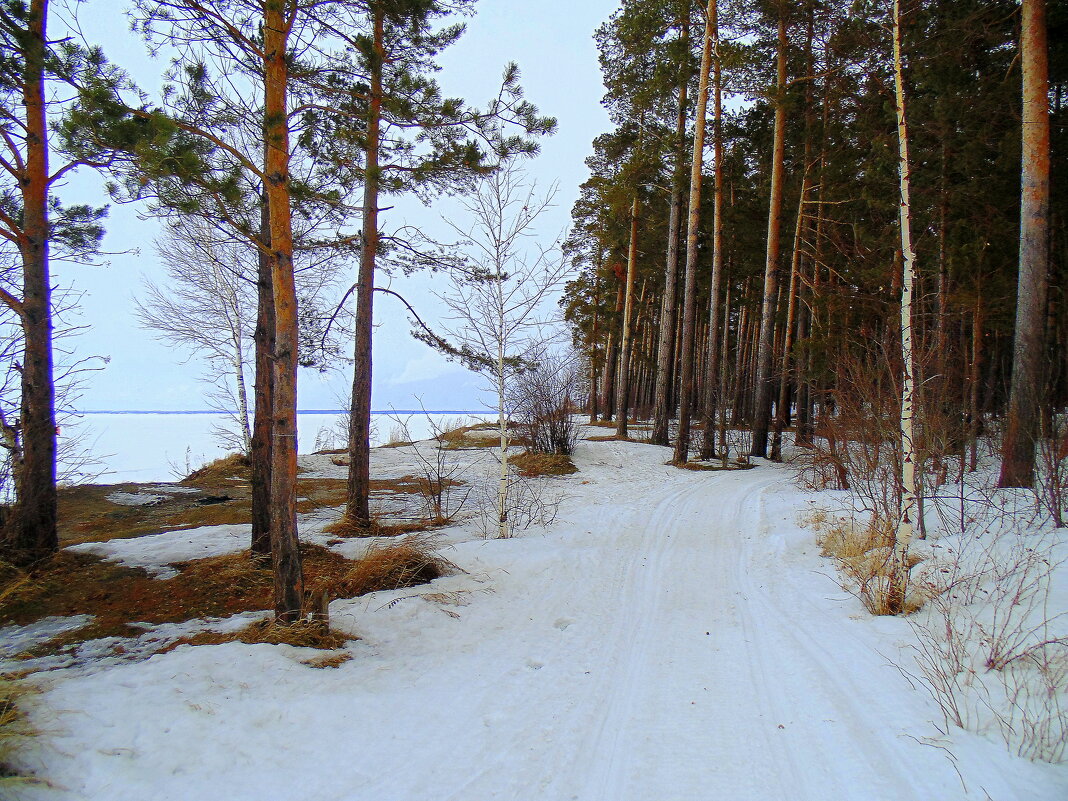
{"x": 762, "y": 384}
{"x": 35, "y": 478}
{"x": 662, "y": 405}
{"x": 689, "y": 301}
{"x": 359, "y": 481}
{"x": 285, "y": 553}
{"x": 1025, "y": 395}
{"x": 625, "y": 344}
{"x": 262, "y": 429}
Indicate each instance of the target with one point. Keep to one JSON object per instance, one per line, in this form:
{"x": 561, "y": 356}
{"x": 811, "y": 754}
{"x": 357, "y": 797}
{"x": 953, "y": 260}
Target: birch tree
{"x": 500, "y": 300}
{"x": 907, "y": 515}
{"x": 208, "y": 307}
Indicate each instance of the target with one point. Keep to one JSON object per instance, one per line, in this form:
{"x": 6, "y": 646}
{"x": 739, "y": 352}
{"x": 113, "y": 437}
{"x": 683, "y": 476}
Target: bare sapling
{"x": 501, "y": 299}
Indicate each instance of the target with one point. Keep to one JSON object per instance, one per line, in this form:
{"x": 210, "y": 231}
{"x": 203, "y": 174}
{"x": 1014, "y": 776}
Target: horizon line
{"x": 299, "y": 411}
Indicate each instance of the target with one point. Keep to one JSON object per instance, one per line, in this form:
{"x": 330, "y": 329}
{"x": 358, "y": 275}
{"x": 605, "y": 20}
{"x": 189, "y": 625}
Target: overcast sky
{"x": 551, "y": 40}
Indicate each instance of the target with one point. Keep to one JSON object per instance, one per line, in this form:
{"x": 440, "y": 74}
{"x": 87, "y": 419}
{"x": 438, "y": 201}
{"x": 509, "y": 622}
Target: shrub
{"x": 543, "y": 402}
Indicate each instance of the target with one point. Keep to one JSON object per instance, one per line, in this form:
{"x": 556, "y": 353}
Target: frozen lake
{"x": 164, "y": 446}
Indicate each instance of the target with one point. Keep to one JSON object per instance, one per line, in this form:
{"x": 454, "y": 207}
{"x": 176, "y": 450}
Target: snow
{"x": 157, "y": 552}
{"x": 134, "y": 498}
{"x": 673, "y": 635}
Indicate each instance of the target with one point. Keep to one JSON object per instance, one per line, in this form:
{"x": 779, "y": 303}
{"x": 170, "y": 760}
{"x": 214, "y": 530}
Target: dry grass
{"x": 615, "y": 438}
{"x": 393, "y": 565}
{"x": 612, "y": 424}
{"x": 86, "y": 514}
{"x": 302, "y": 634}
{"x": 223, "y": 470}
{"x": 712, "y": 468}
{"x": 73, "y": 583}
{"x": 349, "y": 528}
{"x": 531, "y": 464}
{"x": 864, "y": 555}
{"x": 15, "y": 732}
{"x": 217, "y": 587}
{"x": 328, "y": 660}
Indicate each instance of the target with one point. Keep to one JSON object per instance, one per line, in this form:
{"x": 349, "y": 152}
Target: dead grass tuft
{"x": 713, "y": 468}
{"x": 15, "y": 731}
{"x": 236, "y": 465}
{"x": 301, "y": 634}
{"x": 864, "y": 556}
{"x": 350, "y": 528}
{"x": 328, "y": 660}
{"x": 531, "y": 464}
{"x": 395, "y": 565}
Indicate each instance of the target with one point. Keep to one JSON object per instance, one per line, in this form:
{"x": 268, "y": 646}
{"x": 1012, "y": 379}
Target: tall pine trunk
{"x": 35, "y": 477}
{"x": 625, "y": 346}
{"x": 711, "y": 394}
{"x": 662, "y": 406}
{"x": 762, "y": 384}
{"x": 1025, "y": 396}
{"x": 689, "y": 302}
{"x": 358, "y": 509}
{"x": 285, "y": 553}
{"x": 262, "y": 429}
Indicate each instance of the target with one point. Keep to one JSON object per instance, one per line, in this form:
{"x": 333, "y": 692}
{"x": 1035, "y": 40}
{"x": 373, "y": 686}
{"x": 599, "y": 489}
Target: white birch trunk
{"x": 906, "y": 520}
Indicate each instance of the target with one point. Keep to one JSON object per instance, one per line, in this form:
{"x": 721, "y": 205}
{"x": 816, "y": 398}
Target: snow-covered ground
{"x": 673, "y": 635}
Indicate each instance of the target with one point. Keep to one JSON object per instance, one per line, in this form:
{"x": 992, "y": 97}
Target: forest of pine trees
{"x": 751, "y": 221}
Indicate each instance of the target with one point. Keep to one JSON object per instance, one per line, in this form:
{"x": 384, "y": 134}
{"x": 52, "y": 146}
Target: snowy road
{"x": 670, "y": 639}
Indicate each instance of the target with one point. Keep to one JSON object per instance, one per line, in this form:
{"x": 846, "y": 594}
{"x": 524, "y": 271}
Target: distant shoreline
{"x": 299, "y": 411}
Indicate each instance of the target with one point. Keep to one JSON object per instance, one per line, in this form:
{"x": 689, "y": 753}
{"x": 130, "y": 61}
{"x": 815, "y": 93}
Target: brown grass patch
{"x": 236, "y": 466}
{"x": 73, "y": 583}
{"x": 542, "y": 464}
{"x": 349, "y": 528}
{"x": 864, "y": 556}
{"x": 734, "y": 465}
{"x": 301, "y": 634}
{"x": 217, "y": 587}
{"x": 615, "y": 438}
{"x": 612, "y": 424}
{"x": 394, "y": 565}
{"x": 328, "y": 660}
{"x": 15, "y": 731}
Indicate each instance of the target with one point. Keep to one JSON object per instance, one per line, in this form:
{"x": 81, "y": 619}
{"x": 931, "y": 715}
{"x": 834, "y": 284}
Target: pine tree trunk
{"x": 358, "y": 510}
{"x": 35, "y": 484}
{"x": 682, "y": 441}
{"x": 782, "y": 408}
{"x": 662, "y": 406}
{"x": 285, "y": 552}
{"x": 1025, "y": 396}
{"x": 623, "y": 374}
{"x": 711, "y": 393}
{"x": 762, "y": 384}
{"x": 262, "y": 429}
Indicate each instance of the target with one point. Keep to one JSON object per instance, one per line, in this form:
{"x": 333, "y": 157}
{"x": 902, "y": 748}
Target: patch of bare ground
{"x": 223, "y": 497}
{"x": 616, "y": 438}
{"x": 218, "y": 587}
{"x": 706, "y": 466}
{"x": 531, "y": 464}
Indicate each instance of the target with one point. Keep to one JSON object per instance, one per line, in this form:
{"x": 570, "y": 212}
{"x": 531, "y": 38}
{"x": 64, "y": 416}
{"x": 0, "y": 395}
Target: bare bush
{"x": 440, "y": 485}
{"x": 543, "y": 400}
{"x": 988, "y": 648}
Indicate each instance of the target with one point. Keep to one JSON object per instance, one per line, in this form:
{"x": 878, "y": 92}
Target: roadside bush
{"x": 542, "y": 399}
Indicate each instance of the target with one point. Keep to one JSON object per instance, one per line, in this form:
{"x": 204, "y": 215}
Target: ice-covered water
{"x": 158, "y": 446}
